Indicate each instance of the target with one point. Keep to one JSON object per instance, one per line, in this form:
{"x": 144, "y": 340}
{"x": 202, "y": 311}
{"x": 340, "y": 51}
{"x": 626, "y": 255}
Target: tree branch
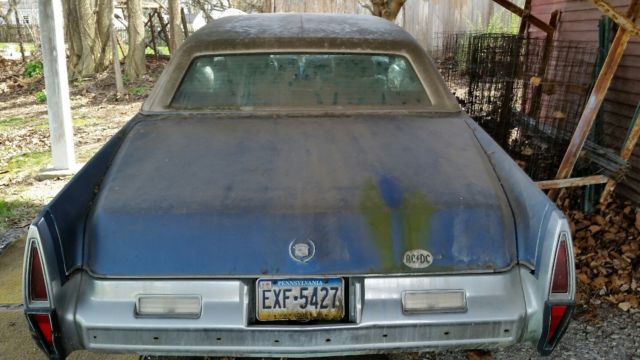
{"x": 366, "y": 6}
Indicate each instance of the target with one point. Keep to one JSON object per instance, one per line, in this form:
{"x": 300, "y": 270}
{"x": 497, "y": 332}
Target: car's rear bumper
{"x": 100, "y": 315}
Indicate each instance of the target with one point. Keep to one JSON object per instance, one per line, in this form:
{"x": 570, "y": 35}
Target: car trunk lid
{"x": 198, "y": 195}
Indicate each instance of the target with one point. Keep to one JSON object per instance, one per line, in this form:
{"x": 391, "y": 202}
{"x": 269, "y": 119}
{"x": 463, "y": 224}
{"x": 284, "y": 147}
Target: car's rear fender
{"x": 57, "y": 236}
{"x": 540, "y": 227}
{"x": 537, "y": 284}
{"x": 62, "y": 222}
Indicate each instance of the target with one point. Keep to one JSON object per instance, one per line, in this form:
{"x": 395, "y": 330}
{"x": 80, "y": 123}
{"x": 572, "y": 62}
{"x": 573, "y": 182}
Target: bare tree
{"x": 175, "y": 27}
{"x": 5, "y": 14}
{"x": 387, "y": 9}
{"x": 203, "y": 6}
{"x": 134, "y": 65}
{"x": 207, "y": 6}
{"x": 103, "y": 30}
{"x": 88, "y": 37}
{"x": 250, "y": 6}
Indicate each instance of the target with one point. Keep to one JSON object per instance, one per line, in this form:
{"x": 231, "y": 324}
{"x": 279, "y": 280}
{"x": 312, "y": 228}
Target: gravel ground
{"x": 613, "y": 334}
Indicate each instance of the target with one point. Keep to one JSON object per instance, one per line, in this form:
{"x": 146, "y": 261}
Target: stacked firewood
{"x": 607, "y": 250}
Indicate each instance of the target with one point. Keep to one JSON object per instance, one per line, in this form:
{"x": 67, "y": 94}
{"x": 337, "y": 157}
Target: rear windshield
{"x": 299, "y": 80}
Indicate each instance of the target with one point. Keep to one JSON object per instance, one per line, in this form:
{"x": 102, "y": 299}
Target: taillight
{"x": 37, "y": 285}
{"x": 556, "y": 320}
{"x": 560, "y": 277}
{"x": 39, "y": 310}
{"x": 557, "y": 314}
{"x": 43, "y": 322}
{"x": 560, "y": 303}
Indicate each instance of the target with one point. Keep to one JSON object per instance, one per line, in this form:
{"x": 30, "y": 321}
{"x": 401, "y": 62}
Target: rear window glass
{"x": 299, "y": 80}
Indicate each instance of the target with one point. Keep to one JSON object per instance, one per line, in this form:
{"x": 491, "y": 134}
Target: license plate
{"x": 300, "y": 299}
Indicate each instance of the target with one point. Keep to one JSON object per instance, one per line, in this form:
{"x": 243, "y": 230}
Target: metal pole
{"x": 56, "y": 83}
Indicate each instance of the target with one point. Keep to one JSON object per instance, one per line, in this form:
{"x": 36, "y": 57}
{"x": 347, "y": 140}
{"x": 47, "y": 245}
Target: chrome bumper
{"x": 99, "y": 315}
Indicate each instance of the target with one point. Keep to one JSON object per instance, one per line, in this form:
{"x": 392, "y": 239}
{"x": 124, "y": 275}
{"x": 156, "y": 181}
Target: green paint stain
{"x": 378, "y": 217}
{"x": 416, "y": 212}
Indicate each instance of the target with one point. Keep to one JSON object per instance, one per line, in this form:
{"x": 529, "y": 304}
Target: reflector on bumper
{"x": 433, "y": 301}
{"x": 189, "y": 306}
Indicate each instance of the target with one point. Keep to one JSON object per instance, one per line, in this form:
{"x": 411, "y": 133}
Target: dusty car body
{"x": 391, "y": 225}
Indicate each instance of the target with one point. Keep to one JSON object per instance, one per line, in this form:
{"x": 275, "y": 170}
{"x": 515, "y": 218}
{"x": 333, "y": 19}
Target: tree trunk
{"x": 90, "y": 47}
{"x": 20, "y": 41}
{"x": 176, "y": 35}
{"x": 5, "y": 14}
{"x": 115, "y": 55}
{"x": 74, "y": 41}
{"x": 134, "y": 65}
{"x": 87, "y": 32}
{"x": 103, "y": 28}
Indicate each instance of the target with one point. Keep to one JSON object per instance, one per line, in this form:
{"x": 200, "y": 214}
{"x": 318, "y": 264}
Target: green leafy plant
{"x": 138, "y": 90}
{"x": 41, "y": 96}
{"x": 33, "y": 68}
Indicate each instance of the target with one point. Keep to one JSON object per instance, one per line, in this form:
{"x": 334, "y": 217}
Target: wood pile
{"x": 607, "y": 250}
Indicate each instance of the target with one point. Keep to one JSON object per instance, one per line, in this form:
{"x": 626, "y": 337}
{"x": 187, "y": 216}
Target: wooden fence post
{"x": 116, "y": 64}
{"x": 523, "y": 21}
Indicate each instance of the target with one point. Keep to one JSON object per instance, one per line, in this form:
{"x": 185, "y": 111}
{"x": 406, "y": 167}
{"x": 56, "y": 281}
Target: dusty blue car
{"x": 298, "y": 185}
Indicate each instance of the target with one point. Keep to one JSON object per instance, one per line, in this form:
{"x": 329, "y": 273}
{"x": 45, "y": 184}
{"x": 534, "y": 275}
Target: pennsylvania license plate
{"x": 300, "y": 299}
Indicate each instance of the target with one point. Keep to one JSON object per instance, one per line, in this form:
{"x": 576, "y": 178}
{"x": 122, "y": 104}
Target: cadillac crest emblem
{"x": 302, "y": 250}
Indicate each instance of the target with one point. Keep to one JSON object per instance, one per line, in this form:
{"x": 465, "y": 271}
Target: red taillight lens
{"x": 560, "y": 280}
{"x": 37, "y": 286}
{"x": 43, "y": 322}
{"x": 557, "y": 314}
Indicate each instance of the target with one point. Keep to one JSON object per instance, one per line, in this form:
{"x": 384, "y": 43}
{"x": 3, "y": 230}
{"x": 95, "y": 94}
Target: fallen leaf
{"x": 594, "y": 229}
{"x": 598, "y": 219}
{"x": 584, "y": 278}
{"x": 479, "y": 355}
{"x": 599, "y": 282}
{"x": 625, "y": 306}
{"x": 535, "y": 80}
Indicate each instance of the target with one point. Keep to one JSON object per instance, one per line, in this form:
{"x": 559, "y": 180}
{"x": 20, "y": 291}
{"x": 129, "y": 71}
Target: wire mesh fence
{"x": 528, "y": 95}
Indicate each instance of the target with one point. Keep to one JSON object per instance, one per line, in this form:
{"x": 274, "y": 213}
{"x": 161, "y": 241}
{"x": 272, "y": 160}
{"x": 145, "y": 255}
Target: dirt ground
{"x": 606, "y": 242}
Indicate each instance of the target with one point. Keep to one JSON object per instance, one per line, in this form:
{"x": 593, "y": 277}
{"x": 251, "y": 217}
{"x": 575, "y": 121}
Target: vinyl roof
{"x": 327, "y": 28}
